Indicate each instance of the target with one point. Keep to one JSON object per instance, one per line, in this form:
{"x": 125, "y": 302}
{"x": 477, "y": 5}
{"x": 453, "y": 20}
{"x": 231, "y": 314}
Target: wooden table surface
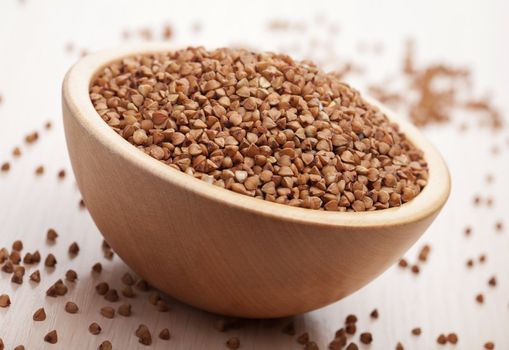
{"x": 34, "y": 55}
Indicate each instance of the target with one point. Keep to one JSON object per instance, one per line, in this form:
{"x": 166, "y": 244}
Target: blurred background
{"x": 442, "y": 64}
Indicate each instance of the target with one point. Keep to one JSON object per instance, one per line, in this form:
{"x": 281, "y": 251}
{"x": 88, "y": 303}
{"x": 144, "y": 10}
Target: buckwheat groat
{"x": 263, "y": 125}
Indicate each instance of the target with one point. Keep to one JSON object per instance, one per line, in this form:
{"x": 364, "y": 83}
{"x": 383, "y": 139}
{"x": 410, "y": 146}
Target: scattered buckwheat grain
{"x": 143, "y": 334}
{"x": 106, "y": 345}
{"x": 71, "y": 275}
{"x": 303, "y": 338}
{"x": 108, "y": 312}
{"x": 39, "y": 315}
{"x": 416, "y": 331}
{"x": 142, "y": 285}
{"x": 5, "y": 301}
{"x": 32, "y": 137}
{"x": 71, "y": 307}
{"x": 97, "y": 268}
{"x": 17, "y": 245}
{"x": 50, "y": 260}
{"x": 311, "y": 346}
{"x": 352, "y": 346}
{"x": 128, "y": 292}
{"x": 124, "y": 310}
{"x": 492, "y": 282}
{"x": 366, "y": 338}
{"x": 164, "y": 334}
{"x": 74, "y": 249}
{"x": 111, "y": 295}
{"x": 51, "y": 337}
{"x": 35, "y": 276}
{"x": 489, "y": 345}
{"x": 402, "y": 263}
{"x": 479, "y": 298}
{"x": 5, "y": 167}
{"x": 102, "y": 288}
{"x": 452, "y": 338}
{"x": 289, "y": 328}
{"x": 94, "y": 328}
{"x": 128, "y": 279}
{"x": 51, "y": 235}
{"x": 15, "y": 257}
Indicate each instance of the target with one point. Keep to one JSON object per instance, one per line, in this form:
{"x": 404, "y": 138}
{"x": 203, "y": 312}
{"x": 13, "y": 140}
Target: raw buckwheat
{"x": 263, "y": 125}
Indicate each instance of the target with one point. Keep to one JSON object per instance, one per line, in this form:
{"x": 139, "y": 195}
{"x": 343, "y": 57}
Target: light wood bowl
{"x": 222, "y": 251}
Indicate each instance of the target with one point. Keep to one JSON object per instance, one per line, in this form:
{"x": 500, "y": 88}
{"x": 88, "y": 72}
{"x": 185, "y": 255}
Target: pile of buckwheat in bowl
{"x": 263, "y": 125}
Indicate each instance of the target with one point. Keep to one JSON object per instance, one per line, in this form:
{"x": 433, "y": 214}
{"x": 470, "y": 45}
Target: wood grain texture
{"x": 439, "y": 300}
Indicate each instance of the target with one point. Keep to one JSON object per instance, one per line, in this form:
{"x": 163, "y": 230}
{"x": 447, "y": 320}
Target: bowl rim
{"x": 75, "y": 94}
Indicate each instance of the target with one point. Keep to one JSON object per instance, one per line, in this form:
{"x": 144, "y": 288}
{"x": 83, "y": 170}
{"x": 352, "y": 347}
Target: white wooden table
{"x": 441, "y": 299}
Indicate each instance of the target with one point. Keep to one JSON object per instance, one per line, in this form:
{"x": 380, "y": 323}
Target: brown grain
{"x": 106, "y": 345}
{"x": 32, "y": 137}
{"x": 102, "y": 288}
{"x": 479, "y": 298}
{"x": 303, "y": 338}
{"x": 35, "y": 276}
{"x": 366, "y": 338}
{"x": 97, "y": 268}
{"x": 452, "y": 338}
{"x": 230, "y": 116}
{"x": 74, "y": 249}
{"x": 111, "y": 295}
{"x": 124, "y": 310}
{"x": 489, "y": 345}
{"x": 39, "y": 170}
{"x": 233, "y": 343}
{"x": 352, "y": 346}
{"x": 143, "y": 334}
{"x": 51, "y": 235}
{"x": 128, "y": 279}
{"x": 164, "y": 334}
{"x": 128, "y": 292}
{"x": 289, "y": 328}
{"x": 6, "y": 166}
{"x": 17, "y": 245}
{"x": 71, "y": 275}
{"x": 5, "y": 301}
{"x": 492, "y": 282}
{"x": 51, "y": 337}
{"x": 71, "y": 307}
{"x": 108, "y": 312}
{"x": 402, "y": 263}
{"x": 39, "y": 315}
{"x": 50, "y": 260}
{"x": 94, "y": 328}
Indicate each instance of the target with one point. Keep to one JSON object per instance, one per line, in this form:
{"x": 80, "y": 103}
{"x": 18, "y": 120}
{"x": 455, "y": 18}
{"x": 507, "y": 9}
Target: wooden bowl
{"x": 222, "y": 251}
